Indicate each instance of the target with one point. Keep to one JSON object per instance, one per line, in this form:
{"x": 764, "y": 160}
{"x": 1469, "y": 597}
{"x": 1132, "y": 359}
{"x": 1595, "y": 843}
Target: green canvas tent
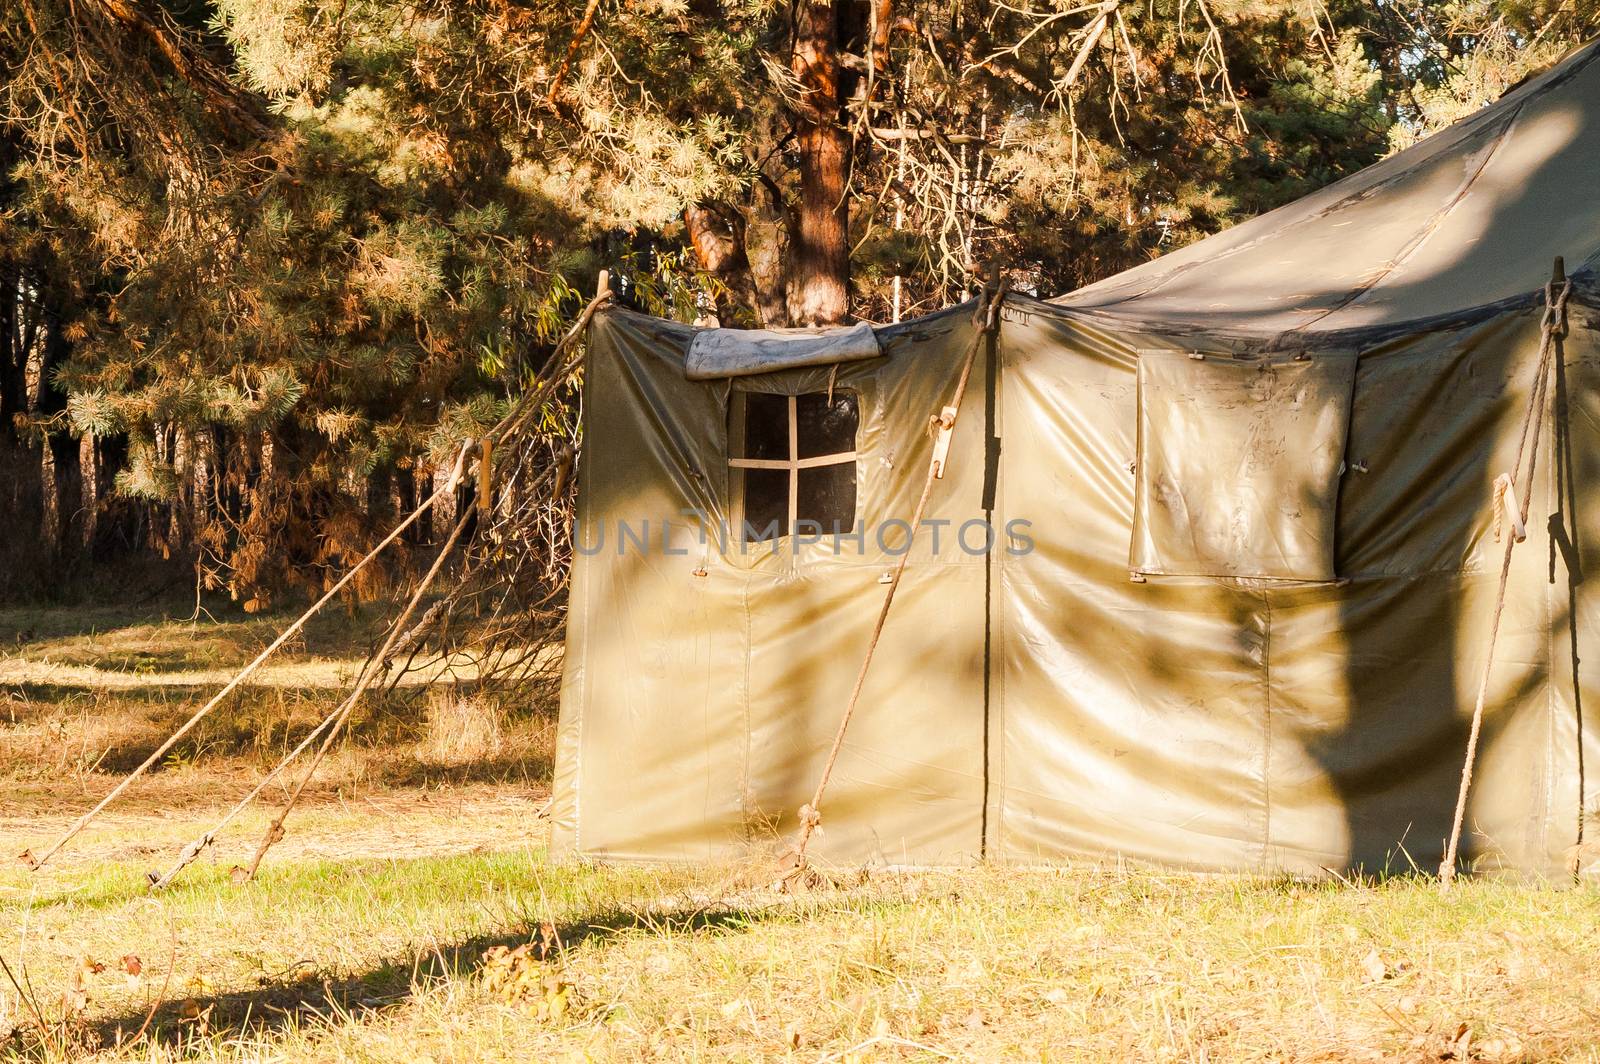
{"x": 1208, "y": 581}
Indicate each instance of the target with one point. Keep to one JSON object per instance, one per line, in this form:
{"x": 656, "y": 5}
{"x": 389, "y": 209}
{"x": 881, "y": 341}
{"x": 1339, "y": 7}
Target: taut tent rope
{"x": 1552, "y": 327}
{"x": 984, "y": 318}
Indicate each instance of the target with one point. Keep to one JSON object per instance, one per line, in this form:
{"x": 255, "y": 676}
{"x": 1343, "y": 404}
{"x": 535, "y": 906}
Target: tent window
{"x": 794, "y": 461}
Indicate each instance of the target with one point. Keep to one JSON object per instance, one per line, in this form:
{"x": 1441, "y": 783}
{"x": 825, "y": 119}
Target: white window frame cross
{"x": 792, "y": 465}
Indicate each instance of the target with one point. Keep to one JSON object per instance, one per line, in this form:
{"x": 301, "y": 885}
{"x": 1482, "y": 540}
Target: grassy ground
{"x": 387, "y": 926}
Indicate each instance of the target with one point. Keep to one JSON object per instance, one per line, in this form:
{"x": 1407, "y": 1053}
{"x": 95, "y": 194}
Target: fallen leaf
{"x": 190, "y": 1012}
{"x": 1408, "y": 1004}
{"x": 1373, "y": 967}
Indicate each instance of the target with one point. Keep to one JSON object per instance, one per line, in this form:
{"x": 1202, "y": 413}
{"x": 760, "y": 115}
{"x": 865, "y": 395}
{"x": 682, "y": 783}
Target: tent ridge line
{"x": 1430, "y": 226}
{"x": 1485, "y": 117}
{"x": 1586, "y": 292}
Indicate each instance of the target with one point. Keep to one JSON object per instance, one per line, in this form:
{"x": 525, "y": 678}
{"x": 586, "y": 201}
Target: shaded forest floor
{"x": 379, "y": 929}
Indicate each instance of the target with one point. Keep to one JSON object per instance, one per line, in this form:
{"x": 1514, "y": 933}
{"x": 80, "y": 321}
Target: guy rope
{"x": 563, "y": 362}
{"x": 941, "y": 426}
{"x": 1511, "y": 522}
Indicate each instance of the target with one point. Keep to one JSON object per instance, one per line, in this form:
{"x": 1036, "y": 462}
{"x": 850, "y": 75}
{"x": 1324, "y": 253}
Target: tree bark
{"x": 49, "y": 499}
{"x": 717, "y": 233}
{"x": 818, "y": 286}
{"x": 89, "y": 479}
{"x": 443, "y": 515}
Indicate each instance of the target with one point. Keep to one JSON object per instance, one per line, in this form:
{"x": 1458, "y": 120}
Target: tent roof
{"x": 1469, "y": 217}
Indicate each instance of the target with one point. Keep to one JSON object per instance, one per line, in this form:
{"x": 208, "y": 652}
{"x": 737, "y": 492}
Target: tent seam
{"x": 1266, "y": 725}
{"x": 1429, "y": 227}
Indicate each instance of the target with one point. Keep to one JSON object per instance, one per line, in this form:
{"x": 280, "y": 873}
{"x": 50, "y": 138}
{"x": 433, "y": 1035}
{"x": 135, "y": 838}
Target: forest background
{"x": 264, "y": 263}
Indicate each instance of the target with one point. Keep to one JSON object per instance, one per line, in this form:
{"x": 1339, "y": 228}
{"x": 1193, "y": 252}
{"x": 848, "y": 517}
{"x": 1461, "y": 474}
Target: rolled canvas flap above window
{"x": 1238, "y": 465}
{"x": 715, "y": 354}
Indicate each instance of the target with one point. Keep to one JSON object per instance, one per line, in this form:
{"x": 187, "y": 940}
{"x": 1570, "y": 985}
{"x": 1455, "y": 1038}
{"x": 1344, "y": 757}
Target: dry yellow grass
{"x": 365, "y": 937}
{"x": 369, "y": 959}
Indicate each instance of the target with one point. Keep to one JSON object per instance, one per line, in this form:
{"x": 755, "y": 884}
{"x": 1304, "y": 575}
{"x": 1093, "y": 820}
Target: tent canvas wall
{"x": 1243, "y": 569}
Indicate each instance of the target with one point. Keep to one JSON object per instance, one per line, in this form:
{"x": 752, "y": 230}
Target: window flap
{"x": 717, "y": 353}
{"x": 1239, "y": 461}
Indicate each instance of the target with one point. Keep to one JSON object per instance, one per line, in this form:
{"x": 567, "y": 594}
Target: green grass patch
{"x": 367, "y": 959}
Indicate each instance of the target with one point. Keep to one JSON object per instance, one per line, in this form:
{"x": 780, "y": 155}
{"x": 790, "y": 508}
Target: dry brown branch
{"x": 585, "y": 24}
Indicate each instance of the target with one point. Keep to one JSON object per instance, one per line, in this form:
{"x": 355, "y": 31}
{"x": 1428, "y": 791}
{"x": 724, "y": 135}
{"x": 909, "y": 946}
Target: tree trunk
{"x": 89, "y": 479}
{"x": 717, "y": 232}
{"x": 34, "y": 354}
{"x": 181, "y": 518}
{"x": 49, "y": 499}
{"x": 443, "y": 514}
{"x": 818, "y": 286}
{"x": 205, "y": 466}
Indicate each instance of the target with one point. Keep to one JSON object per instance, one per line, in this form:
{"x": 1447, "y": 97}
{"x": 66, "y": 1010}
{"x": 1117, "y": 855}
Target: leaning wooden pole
{"x": 331, "y": 724}
{"x": 35, "y": 863}
{"x": 1552, "y": 328}
{"x": 563, "y": 362}
{"x": 943, "y": 425}
{"x": 274, "y": 831}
